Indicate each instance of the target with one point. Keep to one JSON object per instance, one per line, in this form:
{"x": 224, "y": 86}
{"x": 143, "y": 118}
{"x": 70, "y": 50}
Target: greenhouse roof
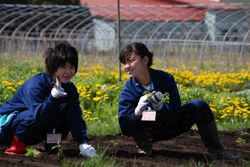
{"x": 155, "y": 10}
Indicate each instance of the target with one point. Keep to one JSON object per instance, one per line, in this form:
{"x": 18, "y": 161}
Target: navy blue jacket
{"x": 34, "y": 97}
{"x": 133, "y": 90}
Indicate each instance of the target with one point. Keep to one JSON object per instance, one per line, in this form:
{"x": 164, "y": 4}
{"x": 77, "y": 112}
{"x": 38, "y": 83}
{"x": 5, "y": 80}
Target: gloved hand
{"x": 142, "y": 105}
{"x": 156, "y": 99}
{"x": 58, "y": 91}
{"x": 87, "y": 150}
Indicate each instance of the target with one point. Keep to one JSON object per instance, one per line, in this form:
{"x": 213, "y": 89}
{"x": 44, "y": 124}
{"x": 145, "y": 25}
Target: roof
{"x": 154, "y": 10}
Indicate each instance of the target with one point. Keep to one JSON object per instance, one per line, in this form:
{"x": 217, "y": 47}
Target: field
{"x": 225, "y": 88}
{"x": 185, "y": 150}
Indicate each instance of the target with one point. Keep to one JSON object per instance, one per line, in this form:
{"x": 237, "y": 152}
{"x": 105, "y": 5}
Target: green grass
{"x": 230, "y": 126}
{"x": 233, "y": 125}
{"x": 16, "y": 68}
{"x": 107, "y": 123}
{"x": 100, "y": 160}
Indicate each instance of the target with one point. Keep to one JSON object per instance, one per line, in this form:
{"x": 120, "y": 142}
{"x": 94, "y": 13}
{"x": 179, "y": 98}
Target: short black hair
{"x": 139, "y": 49}
{"x": 62, "y": 53}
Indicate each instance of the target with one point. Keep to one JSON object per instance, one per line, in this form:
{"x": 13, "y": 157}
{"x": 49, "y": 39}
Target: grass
{"x": 107, "y": 123}
{"x": 100, "y": 160}
{"x": 233, "y": 125}
{"x": 23, "y": 67}
{"x": 230, "y": 126}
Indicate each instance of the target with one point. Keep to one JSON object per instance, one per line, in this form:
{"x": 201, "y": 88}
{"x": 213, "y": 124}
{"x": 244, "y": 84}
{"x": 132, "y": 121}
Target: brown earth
{"x": 185, "y": 150}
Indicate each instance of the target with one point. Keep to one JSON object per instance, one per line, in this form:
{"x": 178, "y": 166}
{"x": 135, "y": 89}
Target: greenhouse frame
{"x": 93, "y": 29}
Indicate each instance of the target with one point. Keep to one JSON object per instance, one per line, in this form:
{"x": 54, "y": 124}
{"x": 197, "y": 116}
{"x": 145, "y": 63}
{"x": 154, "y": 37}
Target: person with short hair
{"x": 46, "y": 106}
{"x": 147, "y": 118}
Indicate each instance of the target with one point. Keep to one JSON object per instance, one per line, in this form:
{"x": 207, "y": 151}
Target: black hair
{"x": 139, "y": 49}
{"x": 62, "y": 53}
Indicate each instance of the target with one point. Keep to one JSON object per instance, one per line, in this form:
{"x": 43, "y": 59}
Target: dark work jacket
{"x": 133, "y": 90}
{"x": 34, "y": 98}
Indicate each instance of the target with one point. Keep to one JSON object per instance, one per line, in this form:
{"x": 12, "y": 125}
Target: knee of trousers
{"x": 204, "y": 113}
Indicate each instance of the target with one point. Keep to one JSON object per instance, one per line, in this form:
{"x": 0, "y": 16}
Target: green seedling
{"x": 149, "y": 94}
{"x": 114, "y": 143}
{"x": 240, "y": 141}
{"x": 32, "y": 152}
{"x": 59, "y": 149}
{"x": 242, "y": 133}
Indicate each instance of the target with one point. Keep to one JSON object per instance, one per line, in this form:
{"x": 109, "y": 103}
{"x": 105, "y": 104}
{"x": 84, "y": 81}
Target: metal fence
{"x": 190, "y": 29}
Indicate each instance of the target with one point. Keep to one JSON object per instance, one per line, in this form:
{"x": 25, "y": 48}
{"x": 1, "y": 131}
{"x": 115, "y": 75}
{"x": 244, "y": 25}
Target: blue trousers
{"x": 32, "y": 131}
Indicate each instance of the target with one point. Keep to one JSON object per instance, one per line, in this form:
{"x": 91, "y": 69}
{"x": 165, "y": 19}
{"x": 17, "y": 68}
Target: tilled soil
{"x": 185, "y": 150}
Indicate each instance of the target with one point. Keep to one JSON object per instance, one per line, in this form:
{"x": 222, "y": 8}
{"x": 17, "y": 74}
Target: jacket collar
{"x": 155, "y": 79}
{"x": 48, "y": 78}
{"x": 138, "y": 86}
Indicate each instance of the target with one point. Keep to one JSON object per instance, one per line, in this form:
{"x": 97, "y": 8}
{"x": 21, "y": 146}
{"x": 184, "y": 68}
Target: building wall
{"x": 104, "y": 35}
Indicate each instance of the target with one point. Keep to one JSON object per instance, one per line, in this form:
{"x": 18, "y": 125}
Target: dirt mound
{"x": 186, "y": 149}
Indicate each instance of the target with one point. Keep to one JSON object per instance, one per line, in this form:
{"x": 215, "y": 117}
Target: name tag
{"x": 54, "y": 138}
{"x": 149, "y": 115}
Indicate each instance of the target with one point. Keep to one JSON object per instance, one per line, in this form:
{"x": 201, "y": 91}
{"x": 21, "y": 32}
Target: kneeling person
{"x": 46, "y": 105}
{"x": 172, "y": 119}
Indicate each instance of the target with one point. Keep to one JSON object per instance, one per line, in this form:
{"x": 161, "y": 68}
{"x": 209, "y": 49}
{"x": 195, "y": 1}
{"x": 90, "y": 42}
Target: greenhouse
{"x": 182, "y": 29}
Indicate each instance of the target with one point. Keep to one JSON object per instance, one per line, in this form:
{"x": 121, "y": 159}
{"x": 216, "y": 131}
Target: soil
{"x": 185, "y": 150}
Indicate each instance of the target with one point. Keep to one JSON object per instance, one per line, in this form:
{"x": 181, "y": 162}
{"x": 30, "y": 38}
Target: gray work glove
{"x": 57, "y": 90}
{"x": 156, "y": 100}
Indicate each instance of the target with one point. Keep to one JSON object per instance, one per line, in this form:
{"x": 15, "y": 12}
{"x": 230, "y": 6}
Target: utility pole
{"x": 119, "y": 37}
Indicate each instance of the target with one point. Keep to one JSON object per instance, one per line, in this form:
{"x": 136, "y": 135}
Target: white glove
{"x": 156, "y": 101}
{"x": 87, "y": 150}
{"x": 58, "y": 91}
{"x": 142, "y": 105}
